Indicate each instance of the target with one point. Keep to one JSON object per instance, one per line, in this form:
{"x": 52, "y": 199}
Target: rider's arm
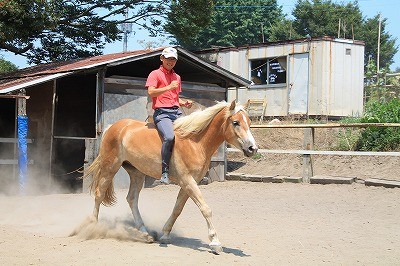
{"x": 154, "y": 92}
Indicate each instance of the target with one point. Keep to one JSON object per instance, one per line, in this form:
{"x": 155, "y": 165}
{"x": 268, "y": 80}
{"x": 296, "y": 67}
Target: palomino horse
{"x": 136, "y": 146}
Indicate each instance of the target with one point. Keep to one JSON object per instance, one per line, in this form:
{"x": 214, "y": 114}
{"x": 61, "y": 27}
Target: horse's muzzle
{"x": 250, "y": 151}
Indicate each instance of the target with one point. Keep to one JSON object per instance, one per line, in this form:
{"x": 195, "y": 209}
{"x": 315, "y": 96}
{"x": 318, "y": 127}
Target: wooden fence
{"x": 308, "y": 143}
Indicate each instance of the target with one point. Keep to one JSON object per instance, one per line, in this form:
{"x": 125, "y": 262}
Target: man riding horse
{"x": 164, "y": 86}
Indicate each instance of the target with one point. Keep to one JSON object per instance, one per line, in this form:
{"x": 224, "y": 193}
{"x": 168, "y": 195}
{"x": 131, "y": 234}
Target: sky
{"x": 387, "y": 8}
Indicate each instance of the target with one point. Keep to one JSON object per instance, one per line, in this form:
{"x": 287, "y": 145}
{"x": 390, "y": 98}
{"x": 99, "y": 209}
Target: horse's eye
{"x": 235, "y": 123}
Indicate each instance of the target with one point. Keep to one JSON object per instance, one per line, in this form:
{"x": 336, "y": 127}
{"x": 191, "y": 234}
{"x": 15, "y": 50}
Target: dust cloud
{"x": 46, "y": 206}
{"x": 116, "y": 229}
{"x": 37, "y": 180}
{"x": 62, "y": 215}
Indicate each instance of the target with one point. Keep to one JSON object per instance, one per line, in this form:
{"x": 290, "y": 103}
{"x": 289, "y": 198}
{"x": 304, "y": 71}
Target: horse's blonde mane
{"x": 197, "y": 121}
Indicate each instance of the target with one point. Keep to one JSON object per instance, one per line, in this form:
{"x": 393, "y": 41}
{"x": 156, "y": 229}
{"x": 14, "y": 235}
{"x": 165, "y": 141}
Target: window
{"x": 268, "y": 71}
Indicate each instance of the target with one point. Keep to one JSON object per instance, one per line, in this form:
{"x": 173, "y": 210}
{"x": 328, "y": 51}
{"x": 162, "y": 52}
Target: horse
{"x": 136, "y": 146}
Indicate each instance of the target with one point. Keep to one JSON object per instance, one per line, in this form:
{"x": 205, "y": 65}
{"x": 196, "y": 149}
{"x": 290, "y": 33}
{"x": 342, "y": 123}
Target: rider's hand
{"x": 188, "y": 104}
{"x": 174, "y": 84}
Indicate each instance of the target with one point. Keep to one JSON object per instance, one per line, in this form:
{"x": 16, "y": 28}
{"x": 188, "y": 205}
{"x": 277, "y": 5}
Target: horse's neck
{"x": 213, "y": 136}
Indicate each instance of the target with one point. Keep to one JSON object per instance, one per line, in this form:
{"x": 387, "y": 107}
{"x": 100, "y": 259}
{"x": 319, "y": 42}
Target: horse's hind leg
{"x": 179, "y": 204}
{"x": 136, "y": 185}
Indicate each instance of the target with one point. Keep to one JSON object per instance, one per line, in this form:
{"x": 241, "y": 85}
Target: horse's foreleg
{"x": 179, "y": 204}
{"x": 194, "y": 193}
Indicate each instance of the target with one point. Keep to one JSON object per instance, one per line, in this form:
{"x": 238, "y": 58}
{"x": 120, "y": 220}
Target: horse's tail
{"x": 94, "y": 170}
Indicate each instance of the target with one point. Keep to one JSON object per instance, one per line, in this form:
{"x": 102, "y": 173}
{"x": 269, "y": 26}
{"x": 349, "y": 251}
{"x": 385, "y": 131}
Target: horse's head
{"x": 237, "y": 130}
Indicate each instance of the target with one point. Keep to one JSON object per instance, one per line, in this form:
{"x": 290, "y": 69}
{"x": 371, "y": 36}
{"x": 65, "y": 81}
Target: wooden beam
{"x": 13, "y": 140}
{"x": 139, "y": 83}
{"x": 100, "y": 84}
{"x": 308, "y": 144}
{"x": 15, "y": 96}
{"x": 12, "y": 162}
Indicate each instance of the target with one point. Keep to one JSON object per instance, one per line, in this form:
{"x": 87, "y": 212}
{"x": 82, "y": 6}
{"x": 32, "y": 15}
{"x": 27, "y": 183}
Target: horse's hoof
{"x": 92, "y": 219}
{"x": 216, "y": 248}
{"x": 154, "y": 235}
{"x": 149, "y": 239}
{"x": 165, "y": 239}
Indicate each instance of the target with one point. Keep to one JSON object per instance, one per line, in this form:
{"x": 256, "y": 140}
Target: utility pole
{"x": 262, "y": 32}
{"x": 379, "y": 45}
{"x": 127, "y": 29}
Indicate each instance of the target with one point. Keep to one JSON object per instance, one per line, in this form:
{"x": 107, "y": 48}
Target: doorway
{"x": 298, "y": 84}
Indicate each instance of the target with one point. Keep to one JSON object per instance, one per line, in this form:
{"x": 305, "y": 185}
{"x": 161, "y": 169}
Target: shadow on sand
{"x": 198, "y": 245}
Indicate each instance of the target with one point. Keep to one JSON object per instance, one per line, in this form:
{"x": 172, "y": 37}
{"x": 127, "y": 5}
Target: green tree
{"x": 369, "y": 34}
{"x": 322, "y": 17}
{"x": 6, "y": 66}
{"x": 232, "y": 23}
{"x": 52, "y": 30}
{"x": 187, "y": 18}
{"x": 283, "y": 30}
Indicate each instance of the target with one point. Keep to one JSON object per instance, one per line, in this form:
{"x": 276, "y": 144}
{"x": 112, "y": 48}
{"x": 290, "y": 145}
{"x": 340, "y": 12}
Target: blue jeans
{"x": 164, "y": 119}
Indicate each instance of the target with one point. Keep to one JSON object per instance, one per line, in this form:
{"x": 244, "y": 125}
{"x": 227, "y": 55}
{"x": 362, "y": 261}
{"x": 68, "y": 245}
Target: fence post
{"x": 91, "y": 151}
{"x": 22, "y": 142}
{"x": 308, "y": 144}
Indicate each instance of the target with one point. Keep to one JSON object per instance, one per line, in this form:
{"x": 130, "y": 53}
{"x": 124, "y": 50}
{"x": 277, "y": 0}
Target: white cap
{"x": 170, "y": 52}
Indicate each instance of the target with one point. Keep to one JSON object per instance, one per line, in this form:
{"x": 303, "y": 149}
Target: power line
{"x": 242, "y": 7}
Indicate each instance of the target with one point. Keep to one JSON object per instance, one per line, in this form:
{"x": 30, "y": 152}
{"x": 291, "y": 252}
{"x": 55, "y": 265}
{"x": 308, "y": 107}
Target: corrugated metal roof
{"x": 234, "y": 78}
{"x": 41, "y": 73}
{"x": 278, "y": 43}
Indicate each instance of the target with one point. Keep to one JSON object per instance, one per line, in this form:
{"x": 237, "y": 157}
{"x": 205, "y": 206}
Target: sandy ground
{"x": 257, "y": 223}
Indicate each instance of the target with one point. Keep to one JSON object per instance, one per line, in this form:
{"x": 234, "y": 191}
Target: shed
{"x": 71, "y": 103}
{"x": 307, "y": 77}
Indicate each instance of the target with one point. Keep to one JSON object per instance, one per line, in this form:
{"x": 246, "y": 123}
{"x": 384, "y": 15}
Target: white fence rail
{"x": 308, "y": 143}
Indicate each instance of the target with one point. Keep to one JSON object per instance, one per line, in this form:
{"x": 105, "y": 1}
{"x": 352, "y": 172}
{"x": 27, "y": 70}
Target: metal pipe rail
{"x": 328, "y": 125}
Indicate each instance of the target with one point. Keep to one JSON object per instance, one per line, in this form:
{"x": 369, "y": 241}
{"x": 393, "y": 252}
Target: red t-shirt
{"x": 160, "y": 78}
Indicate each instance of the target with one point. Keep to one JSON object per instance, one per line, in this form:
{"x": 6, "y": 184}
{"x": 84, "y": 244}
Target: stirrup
{"x": 164, "y": 179}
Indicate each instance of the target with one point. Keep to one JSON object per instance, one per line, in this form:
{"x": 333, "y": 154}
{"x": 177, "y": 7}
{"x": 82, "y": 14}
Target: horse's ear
{"x": 246, "y": 105}
{"x": 233, "y": 105}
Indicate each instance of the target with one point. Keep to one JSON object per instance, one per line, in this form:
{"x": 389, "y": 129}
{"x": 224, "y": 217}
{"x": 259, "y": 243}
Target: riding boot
{"x": 164, "y": 178}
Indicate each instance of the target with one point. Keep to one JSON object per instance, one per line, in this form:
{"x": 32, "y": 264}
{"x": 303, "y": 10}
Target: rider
{"x": 163, "y": 86}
